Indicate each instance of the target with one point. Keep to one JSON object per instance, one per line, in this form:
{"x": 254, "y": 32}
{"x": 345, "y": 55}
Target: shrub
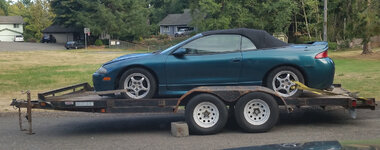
{"x": 98, "y": 42}
{"x": 333, "y": 46}
{"x": 163, "y": 36}
{"x": 344, "y": 44}
{"x": 105, "y": 42}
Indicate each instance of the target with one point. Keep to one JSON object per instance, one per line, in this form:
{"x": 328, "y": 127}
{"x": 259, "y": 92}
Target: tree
{"x": 355, "y": 19}
{"x": 159, "y": 9}
{"x": 270, "y": 15}
{"x": 37, "y": 16}
{"x": 4, "y": 7}
{"x": 124, "y": 19}
{"x": 368, "y": 24}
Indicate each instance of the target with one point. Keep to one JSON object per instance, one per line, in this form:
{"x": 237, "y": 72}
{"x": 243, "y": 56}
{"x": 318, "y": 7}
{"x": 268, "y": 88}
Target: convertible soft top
{"x": 260, "y": 38}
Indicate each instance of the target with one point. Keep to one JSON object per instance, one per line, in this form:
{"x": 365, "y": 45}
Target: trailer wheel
{"x": 256, "y": 112}
{"x": 206, "y": 114}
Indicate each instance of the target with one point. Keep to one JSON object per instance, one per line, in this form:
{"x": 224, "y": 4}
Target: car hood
{"x": 130, "y": 56}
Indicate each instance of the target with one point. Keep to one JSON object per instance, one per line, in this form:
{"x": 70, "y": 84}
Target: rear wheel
{"x": 280, "y": 81}
{"x": 206, "y": 114}
{"x": 138, "y": 83}
{"x": 256, "y": 112}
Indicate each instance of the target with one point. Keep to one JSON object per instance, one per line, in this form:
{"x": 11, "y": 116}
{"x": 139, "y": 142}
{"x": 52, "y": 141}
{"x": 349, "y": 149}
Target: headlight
{"x": 101, "y": 70}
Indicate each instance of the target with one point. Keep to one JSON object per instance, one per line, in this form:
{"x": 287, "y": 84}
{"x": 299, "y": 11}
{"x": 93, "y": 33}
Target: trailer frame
{"x": 81, "y": 97}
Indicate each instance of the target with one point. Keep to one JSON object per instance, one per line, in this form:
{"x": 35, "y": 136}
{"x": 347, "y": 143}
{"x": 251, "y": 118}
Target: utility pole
{"x": 85, "y": 41}
{"x": 325, "y": 21}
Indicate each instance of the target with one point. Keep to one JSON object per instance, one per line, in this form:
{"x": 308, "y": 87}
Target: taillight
{"x": 321, "y": 55}
{"x": 353, "y": 104}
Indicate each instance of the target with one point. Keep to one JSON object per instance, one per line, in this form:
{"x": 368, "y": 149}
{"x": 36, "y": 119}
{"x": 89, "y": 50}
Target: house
{"x": 10, "y": 27}
{"x": 174, "y": 22}
{"x": 63, "y": 34}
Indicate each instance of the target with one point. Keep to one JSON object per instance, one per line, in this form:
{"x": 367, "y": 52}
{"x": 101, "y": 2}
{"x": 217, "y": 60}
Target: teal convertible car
{"x": 221, "y": 57}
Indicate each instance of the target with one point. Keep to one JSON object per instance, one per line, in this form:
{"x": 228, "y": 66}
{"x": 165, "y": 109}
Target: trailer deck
{"x": 81, "y": 97}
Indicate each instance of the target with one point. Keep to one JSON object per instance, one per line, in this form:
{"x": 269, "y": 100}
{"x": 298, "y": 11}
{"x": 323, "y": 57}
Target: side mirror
{"x": 180, "y": 52}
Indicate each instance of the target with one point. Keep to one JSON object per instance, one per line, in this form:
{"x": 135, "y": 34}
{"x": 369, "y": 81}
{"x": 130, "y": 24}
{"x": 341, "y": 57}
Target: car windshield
{"x": 70, "y": 42}
{"x": 181, "y": 43}
{"x": 18, "y": 36}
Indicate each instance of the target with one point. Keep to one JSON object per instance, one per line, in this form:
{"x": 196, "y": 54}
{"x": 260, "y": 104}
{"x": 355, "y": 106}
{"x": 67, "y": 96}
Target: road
{"x": 71, "y": 130}
{"x": 28, "y": 46}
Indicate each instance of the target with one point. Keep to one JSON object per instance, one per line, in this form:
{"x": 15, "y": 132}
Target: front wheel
{"x": 256, "y": 112}
{"x": 206, "y": 114}
{"x": 138, "y": 83}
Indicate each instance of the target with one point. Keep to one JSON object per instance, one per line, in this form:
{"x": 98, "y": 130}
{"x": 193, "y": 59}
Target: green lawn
{"x": 358, "y": 73}
{"x": 43, "y": 70}
{"x": 361, "y": 144}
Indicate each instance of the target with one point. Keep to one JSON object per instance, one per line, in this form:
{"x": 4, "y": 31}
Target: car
{"x": 19, "y": 38}
{"x": 74, "y": 45}
{"x": 48, "y": 39}
{"x": 182, "y": 32}
{"x": 229, "y": 57}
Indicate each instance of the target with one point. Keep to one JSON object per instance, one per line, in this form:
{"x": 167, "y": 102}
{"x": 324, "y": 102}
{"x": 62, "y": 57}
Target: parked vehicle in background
{"x": 182, "y": 32}
{"x": 48, "y": 39}
{"x": 74, "y": 45}
{"x": 19, "y": 38}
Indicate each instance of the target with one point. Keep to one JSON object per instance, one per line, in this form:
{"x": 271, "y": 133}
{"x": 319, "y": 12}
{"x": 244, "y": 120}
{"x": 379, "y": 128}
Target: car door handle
{"x": 237, "y": 59}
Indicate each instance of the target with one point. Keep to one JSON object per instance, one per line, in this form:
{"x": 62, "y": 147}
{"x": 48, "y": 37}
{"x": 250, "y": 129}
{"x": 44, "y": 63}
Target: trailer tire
{"x": 206, "y": 114}
{"x": 139, "y": 80}
{"x": 256, "y": 112}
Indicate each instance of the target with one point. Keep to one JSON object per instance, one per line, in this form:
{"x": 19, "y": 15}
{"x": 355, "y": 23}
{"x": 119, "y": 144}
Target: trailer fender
{"x": 229, "y": 94}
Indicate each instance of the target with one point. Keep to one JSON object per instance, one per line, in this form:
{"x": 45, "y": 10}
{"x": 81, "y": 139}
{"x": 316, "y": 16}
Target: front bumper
{"x": 100, "y": 84}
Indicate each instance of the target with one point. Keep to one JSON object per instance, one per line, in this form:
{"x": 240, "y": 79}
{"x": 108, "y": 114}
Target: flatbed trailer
{"x": 255, "y": 108}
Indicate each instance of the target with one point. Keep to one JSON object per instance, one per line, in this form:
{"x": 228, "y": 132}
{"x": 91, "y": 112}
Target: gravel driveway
{"x": 27, "y": 46}
{"x": 70, "y": 130}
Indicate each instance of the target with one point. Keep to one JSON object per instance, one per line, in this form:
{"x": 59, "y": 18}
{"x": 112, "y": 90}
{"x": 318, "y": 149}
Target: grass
{"x": 362, "y": 144}
{"x": 356, "y": 72}
{"x": 44, "y": 70}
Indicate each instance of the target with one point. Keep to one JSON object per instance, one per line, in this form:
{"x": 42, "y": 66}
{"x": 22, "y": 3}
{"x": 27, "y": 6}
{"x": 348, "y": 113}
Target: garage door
{"x": 63, "y": 37}
{"x": 6, "y": 38}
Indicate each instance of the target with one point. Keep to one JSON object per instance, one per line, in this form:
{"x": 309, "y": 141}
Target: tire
{"x": 206, "y": 114}
{"x": 256, "y": 112}
{"x": 285, "y": 74}
{"x": 140, "y": 81}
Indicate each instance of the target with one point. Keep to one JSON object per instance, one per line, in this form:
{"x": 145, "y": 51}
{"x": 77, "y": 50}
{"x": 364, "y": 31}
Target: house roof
{"x": 10, "y": 30}
{"x": 177, "y": 19}
{"x": 260, "y": 38}
{"x": 11, "y": 19}
{"x": 59, "y": 29}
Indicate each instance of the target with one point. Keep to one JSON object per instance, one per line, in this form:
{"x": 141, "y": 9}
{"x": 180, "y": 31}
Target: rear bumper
{"x": 321, "y": 76}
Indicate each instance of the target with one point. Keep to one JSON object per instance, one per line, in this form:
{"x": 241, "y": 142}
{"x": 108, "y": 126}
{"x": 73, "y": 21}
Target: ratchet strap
{"x": 301, "y": 86}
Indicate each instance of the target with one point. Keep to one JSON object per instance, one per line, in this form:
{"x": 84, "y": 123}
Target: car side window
{"x": 214, "y": 44}
{"x": 247, "y": 44}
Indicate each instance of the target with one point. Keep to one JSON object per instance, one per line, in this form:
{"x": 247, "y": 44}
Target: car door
{"x": 210, "y": 60}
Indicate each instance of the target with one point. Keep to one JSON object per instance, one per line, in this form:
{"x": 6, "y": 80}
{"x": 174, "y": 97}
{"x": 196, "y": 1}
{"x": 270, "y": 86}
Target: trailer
{"x": 207, "y": 108}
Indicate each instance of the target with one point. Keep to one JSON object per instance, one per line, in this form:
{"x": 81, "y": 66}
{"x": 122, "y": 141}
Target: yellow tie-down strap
{"x": 301, "y": 86}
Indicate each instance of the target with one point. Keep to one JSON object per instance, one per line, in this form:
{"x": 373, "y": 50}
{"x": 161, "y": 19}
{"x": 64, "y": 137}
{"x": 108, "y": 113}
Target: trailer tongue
{"x": 255, "y": 107}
